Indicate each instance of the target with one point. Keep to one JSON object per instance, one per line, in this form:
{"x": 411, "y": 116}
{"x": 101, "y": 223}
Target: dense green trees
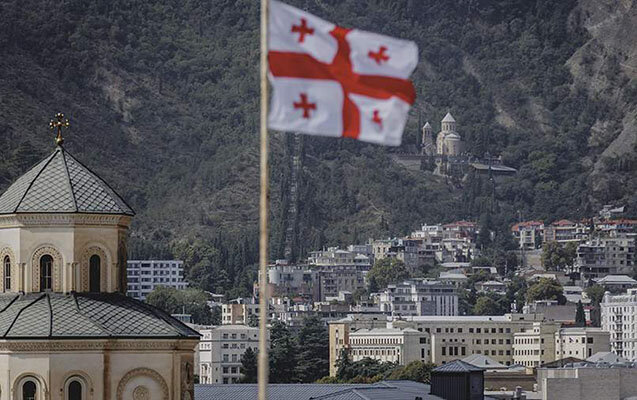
{"x": 370, "y": 370}
{"x": 556, "y": 257}
{"x": 386, "y": 271}
{"x": 302, "y": 358}
{"x": 189, "y": 301}
{"x": 546, "y": 289}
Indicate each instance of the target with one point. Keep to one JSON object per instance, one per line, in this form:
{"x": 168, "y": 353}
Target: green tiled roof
{"x": 84, "y": 315}
{"x": 61, "y": 184}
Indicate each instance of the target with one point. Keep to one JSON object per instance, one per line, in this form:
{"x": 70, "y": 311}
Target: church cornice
{"x": 45, "y": 345}
{"x": 52, "y": 219}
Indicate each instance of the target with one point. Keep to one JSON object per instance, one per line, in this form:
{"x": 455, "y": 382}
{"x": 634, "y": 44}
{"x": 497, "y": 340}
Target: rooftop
{"x": 457, "y": 366}
{"x": 448, "y": 118}
{"x": 62, "y": 184}
{"x": 385, "y": 390}
{"x": 85, "y": 315}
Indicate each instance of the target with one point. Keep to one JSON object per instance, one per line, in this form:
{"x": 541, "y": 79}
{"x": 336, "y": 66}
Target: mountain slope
{"x": 163, "y": 98}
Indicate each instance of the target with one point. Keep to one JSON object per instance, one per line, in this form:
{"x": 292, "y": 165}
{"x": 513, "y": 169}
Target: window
{"x": 46, "y": 272}
{"x": 94, "y": 274}
{"x": 7, "y": 273}
{"x": 74, "y": 391}
{"x": 29, "y": 390}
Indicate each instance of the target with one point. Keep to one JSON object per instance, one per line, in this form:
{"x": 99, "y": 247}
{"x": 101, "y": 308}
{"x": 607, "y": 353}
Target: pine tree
{"x": 249, "y": 366}
{"x": 283, "y": 354}
{"x": 580, "y": 317}
{"x": 313, "y": 362}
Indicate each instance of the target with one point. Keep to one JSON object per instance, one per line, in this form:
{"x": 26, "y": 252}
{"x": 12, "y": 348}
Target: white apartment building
{"x": 619, "y": 314}
{"x": 400, "y": 346}
{"x": 220, "y": 352}
{"x": 418, "y": 297}
{"x": 535, "y": 346}
{"x": 143, "y": 276}
{"x": 580, "y": 342}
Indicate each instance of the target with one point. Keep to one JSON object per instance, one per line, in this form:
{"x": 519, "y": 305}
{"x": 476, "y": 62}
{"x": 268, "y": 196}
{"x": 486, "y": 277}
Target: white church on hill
{"x": 67, "y": 331}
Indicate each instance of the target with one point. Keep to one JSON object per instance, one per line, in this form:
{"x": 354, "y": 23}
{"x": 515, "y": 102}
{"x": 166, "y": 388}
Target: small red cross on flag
{"x": 332, "y": 81}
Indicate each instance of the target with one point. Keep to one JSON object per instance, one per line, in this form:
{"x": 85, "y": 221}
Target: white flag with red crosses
{"x": 333, "y": 81}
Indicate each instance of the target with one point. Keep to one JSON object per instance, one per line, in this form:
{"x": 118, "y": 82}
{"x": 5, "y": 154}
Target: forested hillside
{"x": 163, "y": 100}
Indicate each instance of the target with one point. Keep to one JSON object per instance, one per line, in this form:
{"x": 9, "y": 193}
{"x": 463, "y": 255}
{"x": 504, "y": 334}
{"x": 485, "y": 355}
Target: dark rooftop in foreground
{"x": 385, "y": 390}
{"x": 85, "y": 315}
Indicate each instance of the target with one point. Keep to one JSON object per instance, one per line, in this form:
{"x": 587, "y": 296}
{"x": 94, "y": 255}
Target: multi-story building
{"x": 529, "y": 234}
{"x": 535, "y": 346}
{"x": 339, "y": 332}
{"x": 400, "y": 346}
{"x": 239, "y": 311}
{"x": 338, "y": 271}
{"x": 419, "y": 297}
{"x": 565, "y": 231}
{"x": 619, "y": 315}
{"x": 220, "y": 352}
{"x": 580, "y": 342}
{"x": 143, "y": 276}
{"x": 289, "y": 280}
{"x": 450, "y": 337}
{"x": 606, "y": 256}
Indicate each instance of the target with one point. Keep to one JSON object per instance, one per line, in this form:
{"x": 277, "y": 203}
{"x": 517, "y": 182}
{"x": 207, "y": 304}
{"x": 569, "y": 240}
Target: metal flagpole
{"x": 263, "y": 366}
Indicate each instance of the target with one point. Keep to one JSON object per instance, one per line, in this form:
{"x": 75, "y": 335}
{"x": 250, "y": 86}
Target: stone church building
{"x": 448, "y": 141}
{"x": 67, "y": 330}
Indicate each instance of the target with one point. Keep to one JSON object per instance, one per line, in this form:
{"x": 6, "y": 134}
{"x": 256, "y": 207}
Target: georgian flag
{"x": 333, "y": 81}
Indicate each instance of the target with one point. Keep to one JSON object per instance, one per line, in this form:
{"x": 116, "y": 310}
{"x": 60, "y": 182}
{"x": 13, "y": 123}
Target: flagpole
{"x": 263, "y": 365}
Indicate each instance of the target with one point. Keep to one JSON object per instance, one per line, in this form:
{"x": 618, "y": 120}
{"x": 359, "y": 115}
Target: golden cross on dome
{"x": 59, "y": 122}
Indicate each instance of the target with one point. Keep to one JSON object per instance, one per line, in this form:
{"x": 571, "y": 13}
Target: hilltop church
{"x": 448, "y": 142}
{"x": 67, "y": 330}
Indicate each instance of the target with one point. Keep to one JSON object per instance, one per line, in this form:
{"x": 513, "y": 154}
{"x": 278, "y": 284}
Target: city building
{"x": 450, "y": 338}
{"x": 143, "y": 276}
{"x": 339, "y": 332}
{"x": 220, "y": 351}
{"x": 617, "y": 283}
{"x": 587, "y": 381}
{"x": 68, "y": 329}
{"x": 529, "y": 234}
{"x": 419, "y": 297}
{"x": 580, "y": 342}
{"x": 239, "y": 311}
{"x": 289, "y": 280}
{"x": 400, "y": 346}
{"x": 606, "y": 256}
{"x": 337, "y": 270}
{"x": 535, "y": 346}
{"x": 565, "y": 231}
{"x": 619, "y": 313}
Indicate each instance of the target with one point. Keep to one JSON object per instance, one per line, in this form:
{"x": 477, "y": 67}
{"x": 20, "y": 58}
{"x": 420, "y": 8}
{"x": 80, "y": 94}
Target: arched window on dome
{"x": 29, "y": 390}
{"x": 95, "y": 266}
{"x": 74, "y": 390}
{"x": 7, "y": 273}
{"x": 46, "y": 272}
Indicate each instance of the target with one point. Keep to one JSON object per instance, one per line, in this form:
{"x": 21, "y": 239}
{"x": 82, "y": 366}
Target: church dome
{"x": 85, "y": 315}
{"x": 62, "y": 184}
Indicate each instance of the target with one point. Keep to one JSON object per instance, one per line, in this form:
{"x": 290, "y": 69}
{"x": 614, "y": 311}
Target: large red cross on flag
{"x": 333, "y": 81}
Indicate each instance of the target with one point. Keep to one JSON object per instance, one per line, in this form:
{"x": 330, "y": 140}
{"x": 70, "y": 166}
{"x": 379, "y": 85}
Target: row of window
{"x": 46, "y": 273}
{"x": 29, "y": 389}
{"x": 471, "y": 330}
